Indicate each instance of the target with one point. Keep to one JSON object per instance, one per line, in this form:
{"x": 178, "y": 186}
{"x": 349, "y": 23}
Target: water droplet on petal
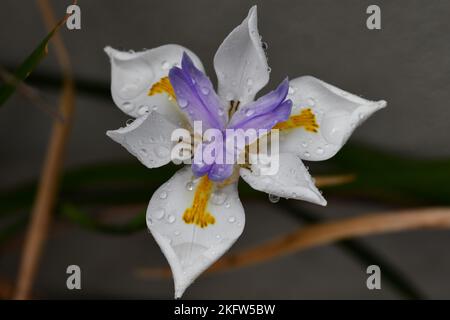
{"x": 182, "y": 103}
{"x": 232, "y": 219}
{"x": 129, "y": 121}
{"x": 311, "y": 102}
{"x": 143, "y": 151}
{"x": 291, "y": 90}
{"x": 249, "y": 81}
{"x": 165, "y": 65}
{"x": 304, "y": 144}
{"x": 249, "y": 112}
{"x": 269, "y": 69}
{"x": 162, "y": 152}
{"x": 142, "y": 110}
{"x": 163, "y": 195}
{"x": 190, "y": 186}
{"x": 273, "y": 198}
{"x": 159, "y": 214}
{"x": 319, "y": 150}
{"x": 177, "y": 233}
{"x": 170, "y": 218}
{"x": 205, "y": 90}
{"x": 218, "y": 198}
{"x": 264, "y": 45}
{"x": 227, "y": 205}
{"x": 127, "y": 106}
{"x": 149, "y": 221}
{"x": 307, "y": 154}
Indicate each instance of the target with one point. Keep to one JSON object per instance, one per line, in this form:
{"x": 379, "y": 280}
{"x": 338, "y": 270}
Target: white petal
{"x": 240, "y": 62}
{"x": 337, "y": 113}
{"x": 188, "y": 248}
{"x": 134, "y": 73}
{"x": 147, "y": 138}
{"x": 291, "y": 181}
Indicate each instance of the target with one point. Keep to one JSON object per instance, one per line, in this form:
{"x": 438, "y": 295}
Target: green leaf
{"x": 27, "y": 66}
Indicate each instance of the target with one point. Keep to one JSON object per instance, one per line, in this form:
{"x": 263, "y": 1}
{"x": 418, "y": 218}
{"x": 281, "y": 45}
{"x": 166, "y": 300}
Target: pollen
{"x": 306, "y": 119}
{"x": 197, "y": 213}
{"x": 162, "y": 86}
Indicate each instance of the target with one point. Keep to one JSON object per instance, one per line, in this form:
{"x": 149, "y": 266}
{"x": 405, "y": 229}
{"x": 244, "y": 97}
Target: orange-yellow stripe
{"x": 306, "y": 119}
{"x": 162, "y": 86}
{"x": 197, "y": 213}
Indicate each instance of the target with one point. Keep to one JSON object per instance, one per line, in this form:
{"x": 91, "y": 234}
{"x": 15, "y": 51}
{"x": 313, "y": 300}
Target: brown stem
{"x": 325, "y": 233}
{"x": 48, "y": 184}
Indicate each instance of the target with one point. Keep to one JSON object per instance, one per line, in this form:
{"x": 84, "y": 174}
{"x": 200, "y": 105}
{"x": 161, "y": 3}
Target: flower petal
{"x": 336, "y": 113}
{"x": 148, "y": 138}
{"x": 134, "y": 73}
{"x": 240, "y": 62}
{"x": 196, "y": 96}
{"x": 265, "y": 112}
{"x": 291, "y": 180}
{"x": 176, "y": 214}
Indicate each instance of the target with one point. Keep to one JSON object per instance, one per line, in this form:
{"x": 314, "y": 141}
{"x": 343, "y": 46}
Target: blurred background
{"x": 406, "y": 63}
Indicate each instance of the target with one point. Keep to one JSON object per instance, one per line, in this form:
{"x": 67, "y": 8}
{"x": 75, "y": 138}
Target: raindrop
{"x": 144, "y": 152}
{"x": 291, "y": 90}
{"x": 269, "y": 69}
{"x": 273, "y": 198}
{"x": 205, "y": 90}
{"x": 227, "y": 205}
{"x": 249, "y": 112}
{"x": 190, "y": 186}
{"x": 232, "y": 219}
{"x": 127, "y": 106}
{"x": 163, "y": 195}
{"x": 264, "y": 45}
{"x": 307, "y": 154}
{"x": 149, "y": 221}
{"x": 182, "y": 103}
{"x": 218, "y": 198}
{"x": 177, "y": 233}
{"x": 159, "y": 214}
{"x": 142, "y": 110}
{"x": 165, "y": 65}
{"x": 249, "y": 81}
{"x": 319, "y": 150}
{"x": 218, "y": 236}
{"x": 170, "y": 218}
{"x": 311, "y": 102}
{"x": 129, "y": 121}
{"x": 162, "y": 151}
{"x": 304, "y": 144}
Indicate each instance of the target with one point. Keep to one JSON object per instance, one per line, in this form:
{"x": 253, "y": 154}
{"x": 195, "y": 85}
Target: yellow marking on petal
{"x": 197, "y": 213}
{"x": 162, "y": 86}
{"x": 305, "y": 119}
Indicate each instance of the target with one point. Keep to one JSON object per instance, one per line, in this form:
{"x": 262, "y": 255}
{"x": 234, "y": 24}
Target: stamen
{"x": 197, "y": 214}
{"x": 305, "y": 119}
{"x": 162, "y": 86}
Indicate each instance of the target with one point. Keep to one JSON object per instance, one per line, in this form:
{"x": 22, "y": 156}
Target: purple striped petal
{"x": 265, "y": 112}
{"x": 196, "y": 96}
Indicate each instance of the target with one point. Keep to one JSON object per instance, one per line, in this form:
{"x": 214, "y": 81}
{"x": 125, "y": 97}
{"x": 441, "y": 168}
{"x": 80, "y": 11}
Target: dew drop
{"x": 165, "y": 65}
{"x": 227, "y": 205}
{"x": 127, "y": 106}
{"x": 249, "y": 81}
{"x": 205, "y": 90}
{"x": 311, "y": 102}
{"x": 162, "y": 151}
{"x": 319, "y": 150}
{"x": 182, "y": 103}
{"x": 149, "y": 221}
{"x": 159, "y": 214}
{"x": 163, "y": 195}
{"x": 129, "y": 121}
{"x": 264, "y": 45}
{"x": 269, "y": 69}
{"x": 142, "y": 110}
{"x": 304, "y": 144}
{"x": 273, "y": 198}
{"x": 291, "y": 90}
{"x": 218, "y": 236}
{"x": 143, "y": 151}
{"x": 249, "y": 112}
{"x": 232, "y": 219}
{"x": 177, "y": 233}
{"x": 218, "y": 198}
{"x": 170, "y": 218}
{"x": 307, "y": 154}
{"x": 190, "y": 186}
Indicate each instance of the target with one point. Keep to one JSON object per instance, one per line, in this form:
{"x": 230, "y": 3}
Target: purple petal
{"x": 220, "y": 172}
{"x": 196, "y": 96}
{"x": 265, "y": 112}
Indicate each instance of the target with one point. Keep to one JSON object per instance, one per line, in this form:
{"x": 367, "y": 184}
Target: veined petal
{"x": 291, "y": 180}
{"x": 265, "y": 112}
{"x": 148, "y": 138}
{"x": 240, "y": 62}
{"x": 194, "y": 222}
{"x": 323, "y": 118}
{"x": 196, "y": 96}
{"x": 133, "y": 74}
